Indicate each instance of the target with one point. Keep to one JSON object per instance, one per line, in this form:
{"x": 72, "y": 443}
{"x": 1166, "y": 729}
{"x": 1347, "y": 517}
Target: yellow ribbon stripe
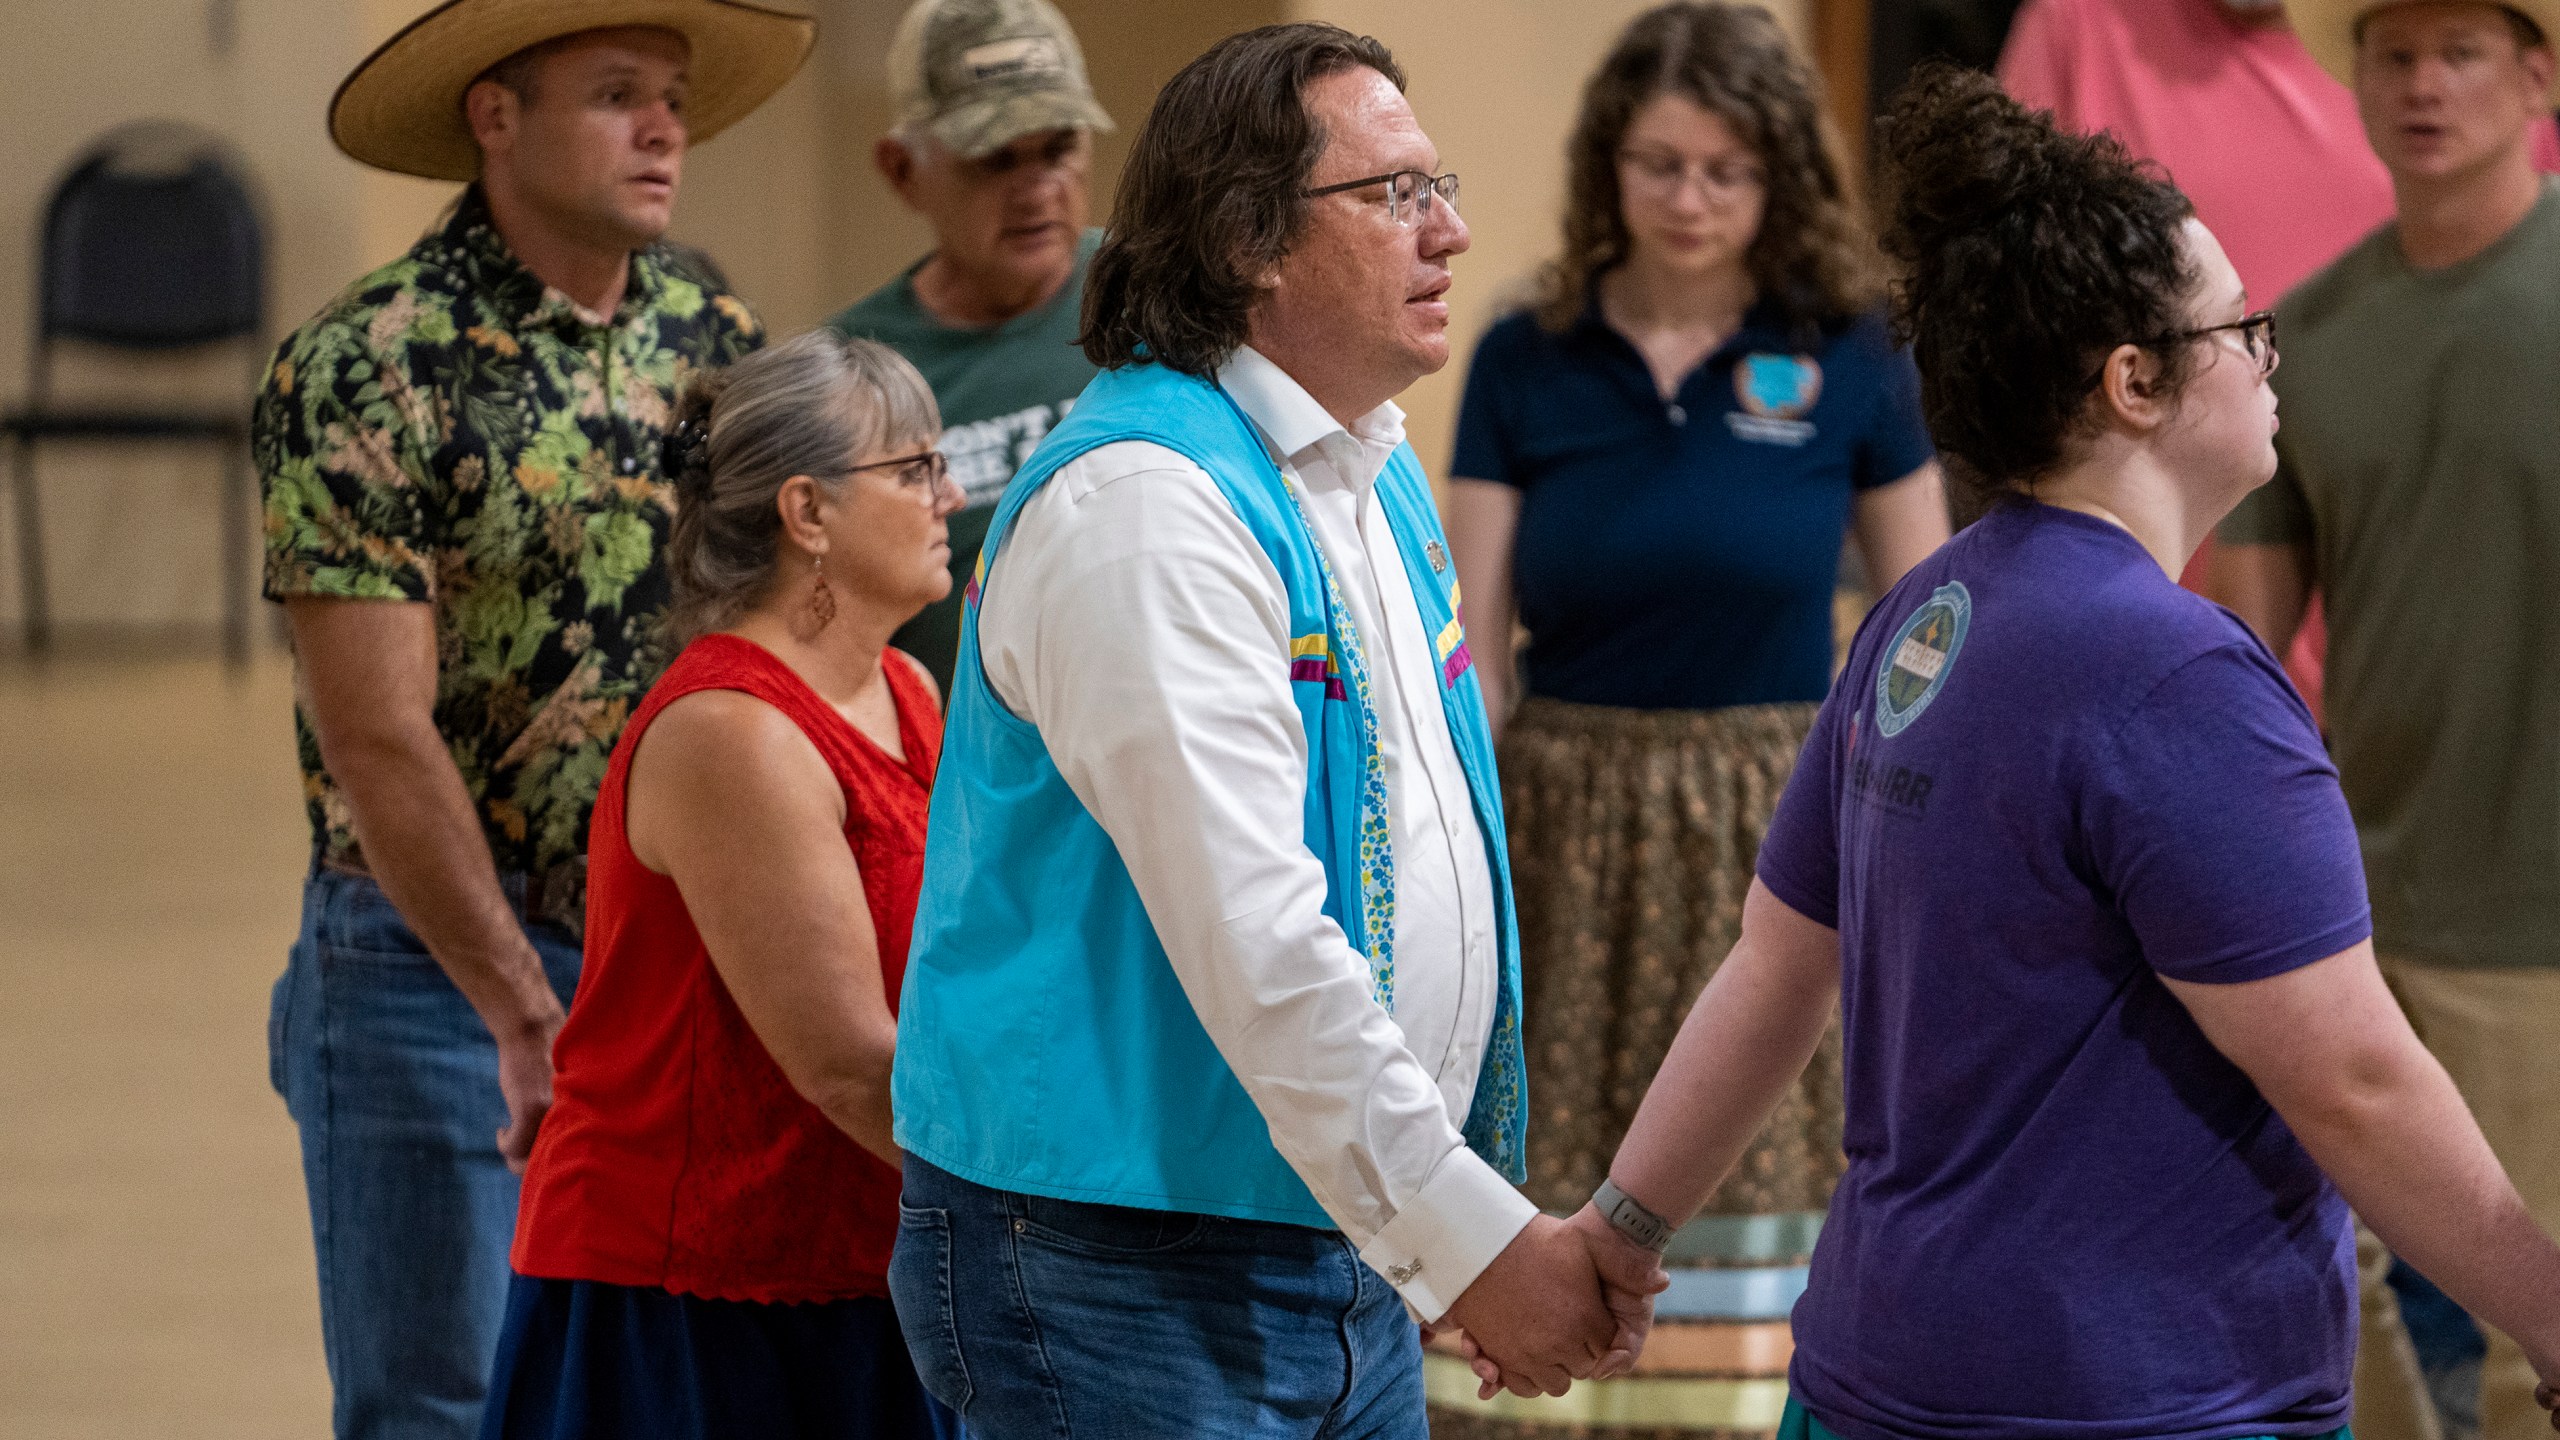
{"x": 1626, "y": 1404}
{"x": 1306, "y": 645}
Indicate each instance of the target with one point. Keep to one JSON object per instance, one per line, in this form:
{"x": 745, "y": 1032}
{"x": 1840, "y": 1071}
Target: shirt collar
{"x": 1764, "y": 326}
{"x": 1292, "y": 423}
{"x": 518, "y": 294}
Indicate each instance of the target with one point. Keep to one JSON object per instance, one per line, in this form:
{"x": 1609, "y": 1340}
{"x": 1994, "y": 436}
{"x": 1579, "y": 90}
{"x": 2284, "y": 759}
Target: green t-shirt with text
{"x": 1000, "y": 389}
{"x": 2420, "y": 461}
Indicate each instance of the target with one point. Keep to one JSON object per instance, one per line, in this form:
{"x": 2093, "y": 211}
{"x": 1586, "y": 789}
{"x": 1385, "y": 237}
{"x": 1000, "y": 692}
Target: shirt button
{"x": 1676, "y": 415}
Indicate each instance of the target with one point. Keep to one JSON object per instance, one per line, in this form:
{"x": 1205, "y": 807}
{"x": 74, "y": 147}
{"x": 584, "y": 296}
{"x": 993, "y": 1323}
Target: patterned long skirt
{"x": 1633, "y": 835}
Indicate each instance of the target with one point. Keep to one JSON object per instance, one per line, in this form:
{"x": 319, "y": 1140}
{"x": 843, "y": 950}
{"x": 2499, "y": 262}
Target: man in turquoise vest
{"x": 1209, "y": 1069}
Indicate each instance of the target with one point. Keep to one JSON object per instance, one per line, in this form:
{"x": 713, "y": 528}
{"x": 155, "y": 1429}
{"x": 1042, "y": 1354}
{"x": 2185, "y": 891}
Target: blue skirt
{"x": 584, "y": 1360}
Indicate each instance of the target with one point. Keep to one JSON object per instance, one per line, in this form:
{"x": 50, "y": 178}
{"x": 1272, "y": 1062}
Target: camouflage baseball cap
{"x": 978, "y": 75}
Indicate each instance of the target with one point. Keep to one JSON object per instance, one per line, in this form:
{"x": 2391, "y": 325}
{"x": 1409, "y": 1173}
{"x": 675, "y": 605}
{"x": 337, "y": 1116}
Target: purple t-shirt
{"x": 2048, "y": 777}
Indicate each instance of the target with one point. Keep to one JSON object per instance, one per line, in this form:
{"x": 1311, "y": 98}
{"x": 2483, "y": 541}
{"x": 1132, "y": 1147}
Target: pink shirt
{"x": 2265, "y": 143}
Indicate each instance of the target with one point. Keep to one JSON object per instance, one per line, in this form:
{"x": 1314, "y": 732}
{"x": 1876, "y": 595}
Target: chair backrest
{"x": 151, "y": 241}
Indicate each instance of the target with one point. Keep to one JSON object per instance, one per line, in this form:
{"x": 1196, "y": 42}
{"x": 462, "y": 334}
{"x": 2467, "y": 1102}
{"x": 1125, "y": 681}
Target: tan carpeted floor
{"x": 155, "y": 1261}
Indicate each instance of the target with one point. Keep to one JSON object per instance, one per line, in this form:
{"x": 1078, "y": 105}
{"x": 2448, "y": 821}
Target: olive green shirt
{"x": 2420, "y": 460}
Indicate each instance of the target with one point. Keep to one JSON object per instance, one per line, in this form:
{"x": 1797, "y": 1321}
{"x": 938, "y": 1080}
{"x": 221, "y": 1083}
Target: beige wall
{"x": 788, "y": 201}
{"x": 132, "y": 531}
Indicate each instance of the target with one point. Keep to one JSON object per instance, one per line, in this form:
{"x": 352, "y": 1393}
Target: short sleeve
{"x": 741, "y": 333}
{"x": 342, "y": 445}
{"x": 1484, "y": 450}
{"x": 2276, "y": 513}
{"x": 1897, "y": 440}
{"x": 1800, "y": 854}
{"x": 2214, "y": 817}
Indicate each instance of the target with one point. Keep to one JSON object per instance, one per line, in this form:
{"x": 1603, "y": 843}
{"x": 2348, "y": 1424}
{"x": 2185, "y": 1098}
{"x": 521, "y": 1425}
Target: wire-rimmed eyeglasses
{"x": 1410, "y": 193}
{"x": 926, "y": 469}
{"x": 1663, "y": 173}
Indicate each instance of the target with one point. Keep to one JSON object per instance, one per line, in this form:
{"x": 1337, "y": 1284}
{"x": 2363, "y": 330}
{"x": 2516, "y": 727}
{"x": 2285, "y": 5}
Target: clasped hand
{"x": 1567, "y": 1300}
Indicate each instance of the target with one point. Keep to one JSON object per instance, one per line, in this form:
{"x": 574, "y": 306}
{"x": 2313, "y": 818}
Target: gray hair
{"x": 807, "y": 406}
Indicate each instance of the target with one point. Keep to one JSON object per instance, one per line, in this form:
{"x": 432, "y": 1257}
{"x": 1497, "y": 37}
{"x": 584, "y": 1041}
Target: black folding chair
{"x": 150, "y": 242}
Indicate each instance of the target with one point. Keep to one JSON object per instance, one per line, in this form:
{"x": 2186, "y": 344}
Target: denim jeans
{"x": 1042, "y": 1319}
{"x": 393, "y": 1081}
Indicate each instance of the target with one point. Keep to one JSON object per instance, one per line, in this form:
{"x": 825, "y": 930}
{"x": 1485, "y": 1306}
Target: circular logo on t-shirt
{"x": 1777, "y": 387}
{"x": 1916, "y": 663}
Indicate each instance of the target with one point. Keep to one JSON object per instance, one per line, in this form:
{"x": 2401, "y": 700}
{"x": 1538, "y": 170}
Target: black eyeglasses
{"x": 926, "y": 468}
{"x": 1410, "y": 193}
{"x": 2257, "y": 332}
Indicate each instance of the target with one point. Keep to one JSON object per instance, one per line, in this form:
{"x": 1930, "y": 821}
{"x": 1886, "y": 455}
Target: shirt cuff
{"x": 1442, "y": 1239}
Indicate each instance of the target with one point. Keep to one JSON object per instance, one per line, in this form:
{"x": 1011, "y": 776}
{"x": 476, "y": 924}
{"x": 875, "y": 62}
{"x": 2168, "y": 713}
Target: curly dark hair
{"x": 2027, "y": 255}
{"x": 1210, "y": 196}
{"x": 1813, "y": 257}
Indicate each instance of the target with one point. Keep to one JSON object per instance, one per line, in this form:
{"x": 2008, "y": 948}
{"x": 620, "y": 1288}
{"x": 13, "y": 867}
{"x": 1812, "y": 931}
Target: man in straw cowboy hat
{"x": 994, "y": 147}
{"x": 2418, "y": 494}
{"x": 465, "y": 504}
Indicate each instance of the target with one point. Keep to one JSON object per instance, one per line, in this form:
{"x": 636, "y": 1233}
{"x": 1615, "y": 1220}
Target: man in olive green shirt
{"x": 2418, "y": 491}
{"x": 994, "y": 147}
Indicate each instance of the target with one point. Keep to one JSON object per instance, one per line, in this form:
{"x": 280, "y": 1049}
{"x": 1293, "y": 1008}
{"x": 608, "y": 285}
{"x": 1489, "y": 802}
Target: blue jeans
{"x": 393, "y": 1081}
{"x": 1041, "y": 1319}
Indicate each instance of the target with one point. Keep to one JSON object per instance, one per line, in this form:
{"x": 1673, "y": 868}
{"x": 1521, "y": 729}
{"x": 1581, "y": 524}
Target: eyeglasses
{"x": 924, "y": 470}
{"x": 1663, "y": 173}
{"x": 1410, "y": 193}
{"x": 2257, "y": 333}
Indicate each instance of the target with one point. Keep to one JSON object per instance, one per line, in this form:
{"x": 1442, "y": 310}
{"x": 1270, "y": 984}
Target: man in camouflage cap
{"x": 993, "y": 146}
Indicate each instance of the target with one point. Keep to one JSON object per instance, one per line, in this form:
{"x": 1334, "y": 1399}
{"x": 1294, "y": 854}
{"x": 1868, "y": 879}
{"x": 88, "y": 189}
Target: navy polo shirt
{"x": 1682, "y": 554}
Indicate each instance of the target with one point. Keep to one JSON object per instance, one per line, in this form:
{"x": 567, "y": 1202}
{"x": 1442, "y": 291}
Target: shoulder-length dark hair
{"x": 1210, "y": 196}
{"x": 1814, "y": 257}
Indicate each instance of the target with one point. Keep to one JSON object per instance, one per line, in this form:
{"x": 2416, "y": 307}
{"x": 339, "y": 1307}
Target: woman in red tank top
{"x": 704, "y": 1233}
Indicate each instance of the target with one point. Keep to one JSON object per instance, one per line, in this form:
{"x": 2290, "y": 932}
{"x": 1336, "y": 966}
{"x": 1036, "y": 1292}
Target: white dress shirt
{"x": 1138, "y": 624}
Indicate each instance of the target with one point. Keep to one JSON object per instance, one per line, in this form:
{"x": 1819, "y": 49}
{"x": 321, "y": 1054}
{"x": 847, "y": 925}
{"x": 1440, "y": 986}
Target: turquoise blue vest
{"x": 1044, "y": 1043}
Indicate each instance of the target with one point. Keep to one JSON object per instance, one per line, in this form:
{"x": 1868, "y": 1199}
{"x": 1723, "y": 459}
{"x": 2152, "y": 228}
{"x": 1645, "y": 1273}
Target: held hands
{"x": 1567, "y": 1300}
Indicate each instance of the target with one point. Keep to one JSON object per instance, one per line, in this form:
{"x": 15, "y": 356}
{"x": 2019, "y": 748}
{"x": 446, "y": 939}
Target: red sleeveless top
{"x": 676, "y": 1154}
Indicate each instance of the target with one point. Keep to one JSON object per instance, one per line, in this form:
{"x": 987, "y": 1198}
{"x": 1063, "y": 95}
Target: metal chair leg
{"x": 37, "y": 616}
{"x": 238, "y": 493}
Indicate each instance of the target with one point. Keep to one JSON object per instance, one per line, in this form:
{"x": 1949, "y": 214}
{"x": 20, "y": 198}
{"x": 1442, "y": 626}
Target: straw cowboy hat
{"x": 402, "y": 108}
{"x": 2328, "y": 29}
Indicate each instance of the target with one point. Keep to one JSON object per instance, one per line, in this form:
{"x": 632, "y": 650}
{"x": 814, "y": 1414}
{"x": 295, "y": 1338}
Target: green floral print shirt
{"x": 451, "y": 431}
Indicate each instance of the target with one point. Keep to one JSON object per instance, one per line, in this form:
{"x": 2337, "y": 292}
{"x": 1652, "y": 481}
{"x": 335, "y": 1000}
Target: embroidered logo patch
{"x": 1005, "y": 59}
{"x": 1916, "y": 664}
{"x": 1776, "y": 392}
{"x": 1778, "y": 387}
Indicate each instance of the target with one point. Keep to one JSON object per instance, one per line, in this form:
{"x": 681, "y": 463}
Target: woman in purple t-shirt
{"x": 2065, "y": 847}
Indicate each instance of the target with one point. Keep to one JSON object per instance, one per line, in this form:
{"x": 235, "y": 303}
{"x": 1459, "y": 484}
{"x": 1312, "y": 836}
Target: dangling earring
{"x": 822, "y": 601}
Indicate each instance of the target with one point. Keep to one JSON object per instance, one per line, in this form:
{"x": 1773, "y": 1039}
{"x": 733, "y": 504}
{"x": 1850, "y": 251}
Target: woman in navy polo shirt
{"x": 2065, "y": 848}
{"x": 1660, "y": 462}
